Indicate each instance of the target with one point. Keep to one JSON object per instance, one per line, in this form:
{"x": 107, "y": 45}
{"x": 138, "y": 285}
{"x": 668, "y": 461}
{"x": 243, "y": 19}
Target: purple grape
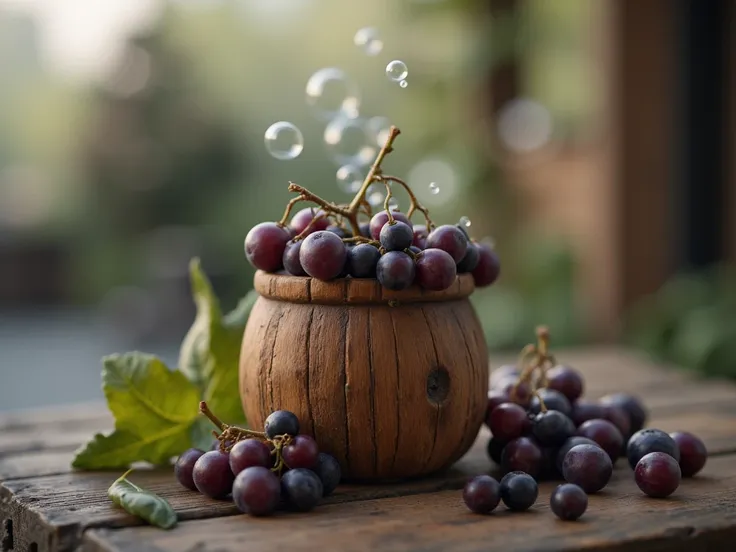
{"x": 618, "y": 417}
{"x": 281, "y": 422}
{"x": 549, "y": 466}
{"x": 489, "y": 266}
{"x": 471, "y": 259}
{"x": 567, "y": 445}
{"x": 645, "y": 441}
{"x": 339, "y": 231}
{"x": 519, "y": 491}
{"x": 301, "y": 220}
{"x": 693, "y": 453}
{"x": 568, "y": 502}
{"x": 449, "y": 238}
{"x": 567, "y": 381}
{"x": 395, "y": 270}
{"x": 329, "y": 473}
{"x": 396, "y": 236}
{"x": 502, "y": 373}
{"x": 302, "y": 489}
{"x": 553, "y": 400}
{"x": 291, "y": 258}
{"x": 582, "y": 411}
{"x": 552, "y": 428}
{"x": 518, "y": 392}
{"x": 184, "y": 466}
{"x": 380, "y": 219}
{"x": 495, "y": 449}
{"x": 414, "y": 249}
{"x": 265, "y": 244}
{"x": 482, "y": 494}
{"x": 248, "y": 453}
{"x": 365, "y": 229}
{"x": 323, "y": 255}
{"x": 257, "y": 491}
{"x": 212, "y": 474}
{"x": 495, "y": 398}
{"x": 522, "y": 455}
{"x": 302, "y": 452}
{"x": 587, "y": 466}
{"x": 509, "y": 421}
{"x": 604, "y": 433}
{"x": 631, "y": 405}
{"x": 420, "y": 236}
{"x": 435, "y": 269}
{"x": 362, "y": 260}
{"x": 657, "y": 474}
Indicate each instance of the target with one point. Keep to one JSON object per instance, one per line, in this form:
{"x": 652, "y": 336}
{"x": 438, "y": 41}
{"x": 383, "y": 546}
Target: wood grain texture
{"x": 391, "y": 391}
{"x": 701, "y": 515}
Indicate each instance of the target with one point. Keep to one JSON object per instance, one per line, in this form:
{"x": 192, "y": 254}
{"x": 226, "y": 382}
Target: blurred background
{"x": 592, "y": 140}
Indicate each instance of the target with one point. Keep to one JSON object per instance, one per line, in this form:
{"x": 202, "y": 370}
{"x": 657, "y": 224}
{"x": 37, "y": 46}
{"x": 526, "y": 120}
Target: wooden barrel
{"x": 393, "y": 384}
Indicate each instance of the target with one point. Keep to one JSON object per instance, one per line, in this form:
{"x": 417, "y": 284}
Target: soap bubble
{"x": 403, "y": 84}
{"x": 375, "y": 194}
{"x": 434, "y": 169}
{"x": 349, "y": 142}
{"x": 368, "y": 40}
{"x": 331, "y": 92}
{"x": 349, "y": 179}
{"x": 380, "y": 127}
{"x": 396, "y": 70}
{"x": 284, "y": 140}
{"x": 524, "y": 125}
{"x": 465, "y": 221}
{"x": 434, "y": 189}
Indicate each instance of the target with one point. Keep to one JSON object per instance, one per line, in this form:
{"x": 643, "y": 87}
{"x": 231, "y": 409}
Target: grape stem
{"x": 535, "y": 360}
{"x": 414, "y": 204}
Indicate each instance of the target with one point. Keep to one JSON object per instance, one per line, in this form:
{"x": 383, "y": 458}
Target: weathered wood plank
{"x": 701, "y": 515}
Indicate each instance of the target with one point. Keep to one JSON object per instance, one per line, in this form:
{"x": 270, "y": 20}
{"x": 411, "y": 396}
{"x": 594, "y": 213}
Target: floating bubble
{"x": 434, "y": 189}
{"x": 284, "y": 140}
{"x": 349, "y": 179}
{"x": 524, "y": 125}
{"x": 375, "y": 194}
{"x": 331, "y": 92}
{"x": 368, "y": 40}
{"x": 393, "y": 204}
{"x": 465, "y": 221}
{"x": 349, "y": 142}
{"x": 434, "y": 169}
{"x": 380, "y": 127}
{"x": 397, "y": 71}
{"x": 403, "y": 84}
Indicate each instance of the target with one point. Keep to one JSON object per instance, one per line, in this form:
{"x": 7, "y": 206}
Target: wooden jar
{"x": 393, "y": 384}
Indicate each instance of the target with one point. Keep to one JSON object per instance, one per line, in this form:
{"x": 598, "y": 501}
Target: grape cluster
{"x": 542, "y": 427}
{"x": 261, "y": 471}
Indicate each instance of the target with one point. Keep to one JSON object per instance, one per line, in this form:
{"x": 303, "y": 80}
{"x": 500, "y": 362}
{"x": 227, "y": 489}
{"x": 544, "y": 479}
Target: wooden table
{"x": 44, "y": 506}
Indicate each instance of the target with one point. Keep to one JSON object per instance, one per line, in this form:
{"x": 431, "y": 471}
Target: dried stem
{"x": 289, "y": 207}
{"x": 375, "y": 168}
{"x": 414, "y": 204}
{"x": 386, "y": 202}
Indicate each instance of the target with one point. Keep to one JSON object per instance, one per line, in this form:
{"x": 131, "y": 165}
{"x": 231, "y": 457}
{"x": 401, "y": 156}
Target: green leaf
{"x": 119, "y": 449}
{"x": 142, "y": 503}
{"x": 238, "y": 317}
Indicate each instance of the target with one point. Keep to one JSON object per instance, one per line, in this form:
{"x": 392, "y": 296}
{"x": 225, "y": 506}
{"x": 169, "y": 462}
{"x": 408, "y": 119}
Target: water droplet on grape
{"x": 397, "y": 71}
{"x": 403, "y": 84}
{"x": 368, "y": 40}
{"x": 331, "y": 92}
{"x": 349, "y": 142}
{"x": 434, "y": 188}
{"x": 349, "y": 179}
{"x": 284, "y": 140}
{"x": 524, "y": 125}
{"x": 380, "y": 127}
{"x": 465, "y": 221}
{"x": 375, "y": 194}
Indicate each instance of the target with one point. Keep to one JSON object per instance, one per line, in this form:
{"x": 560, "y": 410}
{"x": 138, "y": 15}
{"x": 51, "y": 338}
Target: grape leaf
{"x": 142, "y": 503}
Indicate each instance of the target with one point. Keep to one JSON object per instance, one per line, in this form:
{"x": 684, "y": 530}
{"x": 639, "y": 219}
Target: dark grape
{"x": 519, "y": 491}
{"x": 587, "y": 466}
{"x": 396, "y": 236}
{"x": 489, "y": 266}
{"x": 567, "y": 381}
{"x": 495, "y": 398}
{"x": 257, "y": 491}
{"x": 212, "y": 474}
{"x": 265, "y": 244}
{"x": 645, "y": 441}
{"x": 379, "y": 219}
{"x": 450, "y": 239}
{"x": 329, "y": 473}
{"x": 522, "y": 454}
{"x": 509, "y": 421}
{"x": 502, "y": 373}
{"x": 339, "y": 231}
{"x": 420, "y": 236}
{"x": 291, "y": 258}
{"x": 567, "y": 445}
{"x": 302, "y": 489}
{"x": 482, "y": 494}
{"x": 471, "y": 259}
{"x": 362, "y": 260}
{"x": 553, "y": 400}
{"x": 302, "y": 452}
{"x": 249, "y": 452}
{"x": 435, "y": 269}
{"x": 495, "y": 449}
{"x": 323, "y": 255}
{"x": 631, "y": 405}
{"x": 301, "y": 220}
{"x": 582, "y": 411}
{"x": 549, "y": 465}
{"x": 618, "y": 417}
{"x": 365, "y": 229}
{"x": 568, "y": 502}
{"x": 552, "y": 428}
{"x": 604, "y": 433}
{"x": 657, "y": 474}
{"x": 395, "y": 270}
{"x": 518, "y": 392}
{"x": 414, "y": 249}
{"x": 281, "y": 422}
{"x": 184, "y": 466}
{"x": 693, "y": 453}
